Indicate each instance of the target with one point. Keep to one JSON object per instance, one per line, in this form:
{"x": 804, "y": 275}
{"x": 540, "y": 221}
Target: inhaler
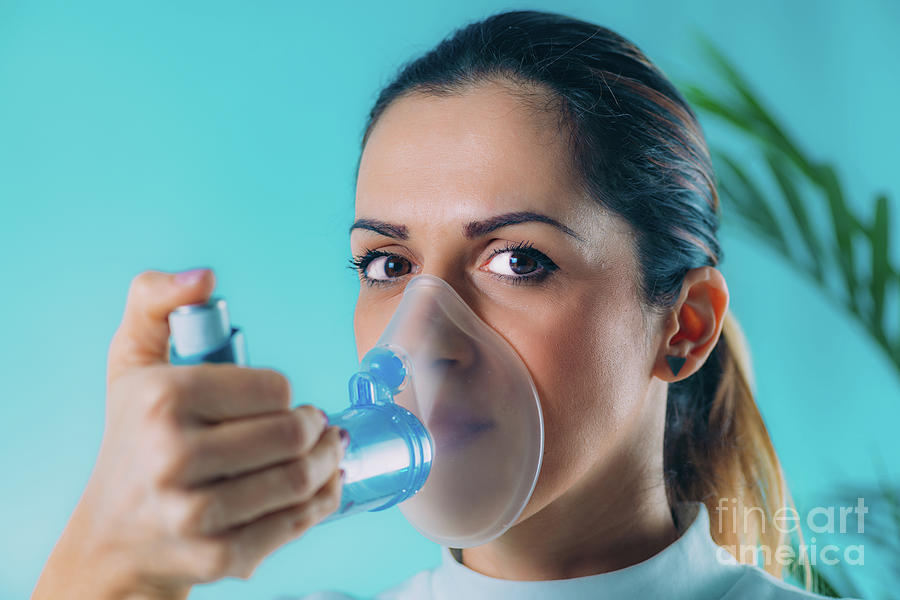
{"x": 444, "y": 419}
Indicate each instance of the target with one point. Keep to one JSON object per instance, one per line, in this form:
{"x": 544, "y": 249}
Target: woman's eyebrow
{"x": 399, "y": 232}
{"x": 471, "y": 230}
{"x": 478, "y": 228}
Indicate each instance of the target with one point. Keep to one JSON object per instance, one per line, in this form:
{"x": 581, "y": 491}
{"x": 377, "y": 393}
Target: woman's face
{"x": 434, "y": 177}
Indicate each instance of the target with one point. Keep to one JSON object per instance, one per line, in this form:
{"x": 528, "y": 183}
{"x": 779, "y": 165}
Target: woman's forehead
{"x": 483, "y": 143}
{"x": 464, "y": 157}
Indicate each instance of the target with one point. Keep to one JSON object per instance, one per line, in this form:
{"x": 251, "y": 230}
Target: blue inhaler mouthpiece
{"x": 390, "y": 452}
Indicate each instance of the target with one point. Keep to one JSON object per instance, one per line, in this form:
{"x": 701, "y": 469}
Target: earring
{"x": 675, "y": 363}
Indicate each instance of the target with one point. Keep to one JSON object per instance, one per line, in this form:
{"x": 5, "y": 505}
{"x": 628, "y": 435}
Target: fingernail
{"x": 345, "y": 438}
{"x": 190, "y": 277}
{"x": 343, "y": 476}
{"x": 324, "y": 417}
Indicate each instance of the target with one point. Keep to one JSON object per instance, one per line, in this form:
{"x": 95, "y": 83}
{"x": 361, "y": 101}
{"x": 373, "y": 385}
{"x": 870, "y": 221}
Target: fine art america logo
{"x": 822, "y": 520}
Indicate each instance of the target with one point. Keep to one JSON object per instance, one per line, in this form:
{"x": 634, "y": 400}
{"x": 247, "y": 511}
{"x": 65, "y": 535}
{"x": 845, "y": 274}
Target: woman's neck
{"x": 553, "y": 545}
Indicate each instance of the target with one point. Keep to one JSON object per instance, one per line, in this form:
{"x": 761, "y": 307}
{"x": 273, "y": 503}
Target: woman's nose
{"x": 451, "y": 344}
{"x": 434, "y": 329}
{"x": 452, "y": 348}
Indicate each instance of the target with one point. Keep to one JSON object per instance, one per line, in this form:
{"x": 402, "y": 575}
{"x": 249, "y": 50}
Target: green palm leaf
{"x": 834, "y": 249}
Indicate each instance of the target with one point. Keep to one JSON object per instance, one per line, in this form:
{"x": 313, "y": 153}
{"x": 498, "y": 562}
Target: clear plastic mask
{"x": 476, "y": 398}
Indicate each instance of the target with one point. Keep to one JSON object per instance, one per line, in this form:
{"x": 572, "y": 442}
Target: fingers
{"x": 215, "y": 392}
{"x": 239, "y": 550}
{"x": 142, "y": 337}
{"x": 243, "y": 499}
{"x": 243, "y": 445}
{"x": 260, "y": 538}
{"x": 202, "y": 394}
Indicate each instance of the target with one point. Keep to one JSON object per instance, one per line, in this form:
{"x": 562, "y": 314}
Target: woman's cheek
{"x": 581, "y": 359}
{"x": 369, "y": 321}
{"x": 560, "y": 361}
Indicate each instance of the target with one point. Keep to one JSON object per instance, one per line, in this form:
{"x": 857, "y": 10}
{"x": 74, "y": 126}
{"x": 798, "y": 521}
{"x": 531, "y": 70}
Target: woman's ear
{"x": 693, "y": 325}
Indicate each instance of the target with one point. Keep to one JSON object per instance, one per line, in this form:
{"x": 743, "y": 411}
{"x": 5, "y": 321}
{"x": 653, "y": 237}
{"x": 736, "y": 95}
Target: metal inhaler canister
{"x": 203, "y": 333}
{"x": 390, "y": 451}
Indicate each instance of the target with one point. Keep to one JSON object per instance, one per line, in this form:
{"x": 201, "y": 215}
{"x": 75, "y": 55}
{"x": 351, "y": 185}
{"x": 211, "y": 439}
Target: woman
{"x": 557, "y": 180}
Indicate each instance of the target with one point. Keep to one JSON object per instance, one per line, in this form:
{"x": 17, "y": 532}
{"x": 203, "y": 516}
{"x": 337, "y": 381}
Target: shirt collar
{"x": 691, "y": 566}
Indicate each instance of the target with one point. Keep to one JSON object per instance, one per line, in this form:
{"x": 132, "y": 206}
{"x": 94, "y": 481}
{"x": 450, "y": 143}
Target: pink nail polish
{"x": 345, "y": 438}
{"x": 190, "y": 277}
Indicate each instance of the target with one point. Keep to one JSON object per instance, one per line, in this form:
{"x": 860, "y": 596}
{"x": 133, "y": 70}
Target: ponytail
{"x": 718, "y": 451}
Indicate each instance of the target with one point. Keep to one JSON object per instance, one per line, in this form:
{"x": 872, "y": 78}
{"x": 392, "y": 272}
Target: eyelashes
{"x": 542, "y": 265}
{"x": 360, "y": 263}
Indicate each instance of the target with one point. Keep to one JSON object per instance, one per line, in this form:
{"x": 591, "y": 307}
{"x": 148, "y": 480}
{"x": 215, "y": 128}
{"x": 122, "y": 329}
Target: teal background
{"x": 169, "y": 135}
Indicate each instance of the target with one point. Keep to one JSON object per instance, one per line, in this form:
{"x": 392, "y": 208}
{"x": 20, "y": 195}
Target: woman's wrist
{"x": 82, "y": 567}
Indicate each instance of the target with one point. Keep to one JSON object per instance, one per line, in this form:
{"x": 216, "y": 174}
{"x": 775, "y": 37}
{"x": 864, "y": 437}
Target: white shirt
{"x": 693, "y": 567}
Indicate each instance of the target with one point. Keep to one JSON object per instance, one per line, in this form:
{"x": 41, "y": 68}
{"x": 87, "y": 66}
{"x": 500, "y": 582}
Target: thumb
{"x": 143, "y": 336}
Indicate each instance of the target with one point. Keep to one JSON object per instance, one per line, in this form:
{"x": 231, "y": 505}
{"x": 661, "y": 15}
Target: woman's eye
{"x": 519, "y": 263}
{"x": 387, "y": 267}
{"x": 513, "y": 263}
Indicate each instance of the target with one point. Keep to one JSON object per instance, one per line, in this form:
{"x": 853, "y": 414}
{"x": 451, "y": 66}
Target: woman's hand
{"x": 203, "y": 470}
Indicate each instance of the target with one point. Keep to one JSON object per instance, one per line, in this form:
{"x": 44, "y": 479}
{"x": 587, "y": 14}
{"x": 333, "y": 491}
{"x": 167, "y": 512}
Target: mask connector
{"x": 390, "y": 452}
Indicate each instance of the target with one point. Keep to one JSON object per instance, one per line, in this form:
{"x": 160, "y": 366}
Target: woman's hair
{"x": 638, "y": 150}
